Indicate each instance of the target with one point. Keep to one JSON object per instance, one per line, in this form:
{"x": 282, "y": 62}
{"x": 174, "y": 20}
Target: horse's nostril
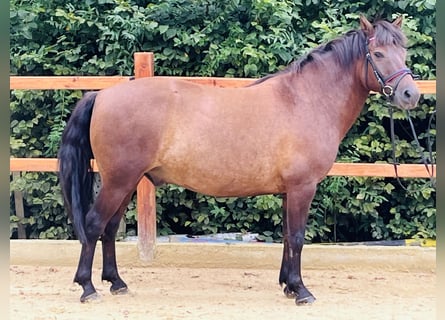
{"x": 407, "y": 94}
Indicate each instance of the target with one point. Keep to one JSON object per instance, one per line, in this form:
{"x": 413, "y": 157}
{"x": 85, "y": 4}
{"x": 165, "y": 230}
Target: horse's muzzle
{"x": 407, "y": 96}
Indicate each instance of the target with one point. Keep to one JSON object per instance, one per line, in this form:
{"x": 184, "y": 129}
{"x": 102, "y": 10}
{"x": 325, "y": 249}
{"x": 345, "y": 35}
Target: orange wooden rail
{"x": 146, "y": 201}
{"x": 338, "y": 169}
{"x": 64, "y": 82}
{"x": 97, "y": 82}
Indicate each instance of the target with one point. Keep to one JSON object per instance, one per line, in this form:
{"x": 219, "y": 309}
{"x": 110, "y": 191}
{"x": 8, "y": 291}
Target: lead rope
{"x": 429, "y": 169}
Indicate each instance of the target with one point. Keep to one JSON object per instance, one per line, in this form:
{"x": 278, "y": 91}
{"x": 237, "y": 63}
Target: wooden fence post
{"x": 19, "y": 208}
{"x": 146, "y": 193}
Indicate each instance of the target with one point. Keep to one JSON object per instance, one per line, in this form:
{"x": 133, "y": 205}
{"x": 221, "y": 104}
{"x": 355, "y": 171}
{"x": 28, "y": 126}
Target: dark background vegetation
{"x": 234, "y": 38}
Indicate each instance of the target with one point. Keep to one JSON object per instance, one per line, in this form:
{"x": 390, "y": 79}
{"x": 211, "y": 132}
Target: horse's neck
{"x": 337, "y": 93}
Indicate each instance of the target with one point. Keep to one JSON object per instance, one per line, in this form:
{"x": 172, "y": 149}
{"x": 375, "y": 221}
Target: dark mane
{"x": 346, "y": 49}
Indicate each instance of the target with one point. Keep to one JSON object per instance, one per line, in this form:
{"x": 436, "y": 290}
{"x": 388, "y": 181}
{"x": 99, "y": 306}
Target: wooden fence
{"x": 146, "y": 201}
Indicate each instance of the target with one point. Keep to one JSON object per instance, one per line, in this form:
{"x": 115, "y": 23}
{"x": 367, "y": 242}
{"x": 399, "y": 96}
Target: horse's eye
{"x": 378, "y": 54}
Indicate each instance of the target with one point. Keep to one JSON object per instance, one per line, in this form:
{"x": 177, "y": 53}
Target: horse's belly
{"x": 220, "y": 182}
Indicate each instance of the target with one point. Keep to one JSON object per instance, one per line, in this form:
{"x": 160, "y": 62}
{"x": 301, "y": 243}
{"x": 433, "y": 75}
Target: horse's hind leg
{"x": 297, "y": 201}
{"x": 83, "y": 274}
{"x": 107, "y": 204}
{"x": 110, "y": 272}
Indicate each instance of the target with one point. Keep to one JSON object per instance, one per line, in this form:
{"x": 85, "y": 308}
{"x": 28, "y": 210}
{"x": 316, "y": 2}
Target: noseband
{"x": 385, "y": 89}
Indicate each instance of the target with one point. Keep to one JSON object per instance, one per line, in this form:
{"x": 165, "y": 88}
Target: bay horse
{"x": 279, "y": 135}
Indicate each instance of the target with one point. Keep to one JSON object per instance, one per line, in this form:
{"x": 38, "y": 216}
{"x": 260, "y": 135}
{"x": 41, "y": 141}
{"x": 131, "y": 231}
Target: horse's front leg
{"x": 295, "y": 213}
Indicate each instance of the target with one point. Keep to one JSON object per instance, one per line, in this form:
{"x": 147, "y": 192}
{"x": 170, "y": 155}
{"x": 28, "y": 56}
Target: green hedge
{"x": 235, "y": 38}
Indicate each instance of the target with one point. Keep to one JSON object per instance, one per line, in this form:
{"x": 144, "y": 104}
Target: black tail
{"x": 75, "y": 172}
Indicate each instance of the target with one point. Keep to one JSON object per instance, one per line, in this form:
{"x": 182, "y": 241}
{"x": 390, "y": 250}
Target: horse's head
{"x": 385, "y": 67}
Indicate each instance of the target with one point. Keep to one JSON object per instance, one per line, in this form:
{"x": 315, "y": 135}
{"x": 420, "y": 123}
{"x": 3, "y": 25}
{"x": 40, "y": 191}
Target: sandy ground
{"x": 47, "y": 292}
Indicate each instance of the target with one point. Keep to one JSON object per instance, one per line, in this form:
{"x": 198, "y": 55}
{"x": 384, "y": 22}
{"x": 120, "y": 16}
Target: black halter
{"x": 386, "y": 89}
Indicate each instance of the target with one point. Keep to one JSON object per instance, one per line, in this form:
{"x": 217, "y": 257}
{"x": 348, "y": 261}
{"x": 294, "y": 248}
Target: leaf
{"x": 162, "y": 29}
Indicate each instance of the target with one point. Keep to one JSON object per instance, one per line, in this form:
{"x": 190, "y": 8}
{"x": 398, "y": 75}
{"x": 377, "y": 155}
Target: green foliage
{"x": 45, "y": 216}
{"x": 235, "y": 38}
{"x": 183, "y": 211}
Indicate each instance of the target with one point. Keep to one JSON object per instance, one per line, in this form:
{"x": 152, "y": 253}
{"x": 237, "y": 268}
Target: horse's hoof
{"x": 120, "y": 291}
{"x": 89, "y": 297}
{"x": 305, "y": 301}
{"x": 289, "y": 293}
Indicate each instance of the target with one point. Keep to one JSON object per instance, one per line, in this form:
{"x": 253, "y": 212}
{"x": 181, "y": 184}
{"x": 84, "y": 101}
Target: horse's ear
{"x": 398, "y": 21}
{"x": 365, "y": 25}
